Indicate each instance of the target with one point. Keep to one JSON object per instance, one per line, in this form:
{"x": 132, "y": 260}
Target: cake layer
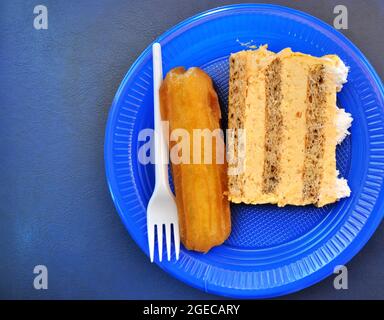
{"x": 286, "y": 105}
{"x": 316, "y": 118}
{"x": 273, "y": 127}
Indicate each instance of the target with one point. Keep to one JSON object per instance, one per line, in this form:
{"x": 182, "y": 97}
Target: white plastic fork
{"x": 161, "y": 210}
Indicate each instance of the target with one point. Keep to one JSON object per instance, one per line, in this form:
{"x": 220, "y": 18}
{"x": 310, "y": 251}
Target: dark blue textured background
{"x": 56, "y": 89}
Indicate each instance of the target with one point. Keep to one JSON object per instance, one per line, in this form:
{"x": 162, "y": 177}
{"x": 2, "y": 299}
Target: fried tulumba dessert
{"x": 190, "y": 104}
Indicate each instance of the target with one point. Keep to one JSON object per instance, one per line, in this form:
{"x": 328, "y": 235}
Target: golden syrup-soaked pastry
{"x": 189, "y": 101}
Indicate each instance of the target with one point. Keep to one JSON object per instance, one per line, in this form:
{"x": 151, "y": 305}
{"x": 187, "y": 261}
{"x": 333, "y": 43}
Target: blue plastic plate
{"x": 271, "y": 251}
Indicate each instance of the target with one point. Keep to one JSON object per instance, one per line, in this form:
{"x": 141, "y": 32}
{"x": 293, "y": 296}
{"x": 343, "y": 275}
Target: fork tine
{"x": 160, "y": 241}
{"x": 168, "y": 240}
{"x": 151, "y": 239}
{"x": 176, "y": 237}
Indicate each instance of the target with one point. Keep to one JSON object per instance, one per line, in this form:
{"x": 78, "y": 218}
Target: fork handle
{"x": 160, "y": 146}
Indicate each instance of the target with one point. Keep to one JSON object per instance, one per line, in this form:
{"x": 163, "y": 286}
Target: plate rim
{"x": 346, "y": 255}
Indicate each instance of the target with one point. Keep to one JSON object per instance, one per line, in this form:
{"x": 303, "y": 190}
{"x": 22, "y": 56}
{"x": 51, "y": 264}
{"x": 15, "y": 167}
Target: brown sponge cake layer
{"x": 273, "y": 127}
{"x": 315, "y": 136}
{"x": 236, "y": 116}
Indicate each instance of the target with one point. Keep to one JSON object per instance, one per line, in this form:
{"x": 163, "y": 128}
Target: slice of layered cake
{"x": 283, "y": 108}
